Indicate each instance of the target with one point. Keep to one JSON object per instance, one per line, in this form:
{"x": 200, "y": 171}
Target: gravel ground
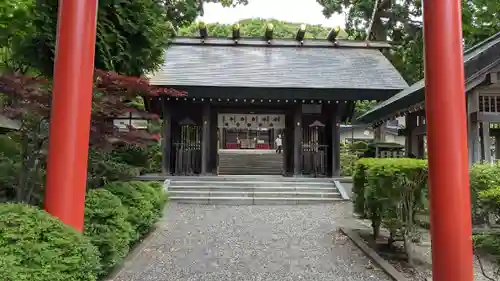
{"x": 275, "y": 243}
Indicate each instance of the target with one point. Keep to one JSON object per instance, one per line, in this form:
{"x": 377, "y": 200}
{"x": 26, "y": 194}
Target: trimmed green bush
{"x": 482, "y": 177}
{"x": 490, "y": 241}
{"x": 107, "y": 227}
{"x": 358, "y": 187}
{"x": 35, "y": 246}
{"x": 141, "y": 210}
{"x": 154, "y": 193}
{"x": 347, "y": 164}
{"x": 390, "y": 192}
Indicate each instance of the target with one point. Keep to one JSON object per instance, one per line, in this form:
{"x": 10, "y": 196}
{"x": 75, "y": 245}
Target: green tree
{"x": 183, "y": 12}
{"x": 400, "y": 22}
{"x": 256, "y": 28}
{"x": 131, "y": 35}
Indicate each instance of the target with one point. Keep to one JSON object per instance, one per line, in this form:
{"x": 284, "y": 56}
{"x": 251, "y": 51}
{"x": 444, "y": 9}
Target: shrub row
{"x": 392, "y": 191}
{"x": 35, "y": 246}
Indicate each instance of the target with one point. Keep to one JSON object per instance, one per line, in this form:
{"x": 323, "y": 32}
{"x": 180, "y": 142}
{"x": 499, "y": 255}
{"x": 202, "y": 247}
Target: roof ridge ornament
{"x": 203, "y": 31}
{"x": 332, "y": 35}
{"x": 301, "y": 34}
{"x": 236, "y": 32}
{"x": 268, "y": 35}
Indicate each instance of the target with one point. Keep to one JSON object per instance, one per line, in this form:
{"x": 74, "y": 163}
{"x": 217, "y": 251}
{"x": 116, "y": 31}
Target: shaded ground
{"x": 275, "y": 243}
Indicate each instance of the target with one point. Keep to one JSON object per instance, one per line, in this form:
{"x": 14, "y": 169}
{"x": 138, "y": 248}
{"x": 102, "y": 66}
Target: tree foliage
{"x": 28, "y": 100}
{"x": 256, "y": 27}
{"x": 183, "y": 12}
{"x": 131, "y": 36}
{"x": 400, "y": 22}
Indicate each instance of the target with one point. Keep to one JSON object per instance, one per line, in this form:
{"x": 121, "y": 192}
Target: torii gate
{"x": 447, "y": 145}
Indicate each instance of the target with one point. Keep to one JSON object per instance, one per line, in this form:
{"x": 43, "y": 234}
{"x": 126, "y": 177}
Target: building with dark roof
{"x": 243, "y": 95}
{"x": 482, "y": 84}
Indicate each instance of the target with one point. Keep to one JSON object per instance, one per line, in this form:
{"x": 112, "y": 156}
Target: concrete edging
{"x": 381, "y": 262}
{"x": 166, "y": 185}
{"x": 341, "y": 189}
{"x": 136, "y": 251}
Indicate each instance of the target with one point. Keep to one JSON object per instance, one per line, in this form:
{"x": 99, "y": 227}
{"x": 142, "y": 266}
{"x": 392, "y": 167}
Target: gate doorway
{"x": 250, "y": 131}
{"x": 314, "y": 150}
{"x": 187, "y": 149}
{"x": 247, "y": 144}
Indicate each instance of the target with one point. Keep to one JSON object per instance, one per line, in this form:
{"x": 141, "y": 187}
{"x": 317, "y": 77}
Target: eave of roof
{"x": 476, "y": 59}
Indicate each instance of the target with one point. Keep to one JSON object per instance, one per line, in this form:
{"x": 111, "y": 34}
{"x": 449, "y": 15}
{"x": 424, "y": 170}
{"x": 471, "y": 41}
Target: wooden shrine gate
{"x": 314, "y": 150}
{"x": 187, "y": 149}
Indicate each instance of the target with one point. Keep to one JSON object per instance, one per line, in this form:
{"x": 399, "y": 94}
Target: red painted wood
{"x": 71, "y": 107}
{"x": 447, "y": 144}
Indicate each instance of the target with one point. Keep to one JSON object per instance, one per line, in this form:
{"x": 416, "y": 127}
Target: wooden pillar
{"x": 67, "y": 161}
{"x": 335, "y": 127}
{"x": 205, "y": 139}
{"x": 486, "y": 141}
{"x": 411, "y": 141}
{"x": 473, "y": 139}
{"x": 166, "y": 137}
{"x": 449, "y": 190}
{"x": 474, "y": 143}
{"x": 297, "y": 141}
{"x": 497, "y": 147}
{"x": 379, "y": 132}
{"x": 420, "y": 146}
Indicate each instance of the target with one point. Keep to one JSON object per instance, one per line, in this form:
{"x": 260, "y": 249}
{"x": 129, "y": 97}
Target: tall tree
{"x": 183, "y": 12}
{"x": 27, "y": 100}
{"x": 400, "y": 22}
{"x": 256, "y": 27}
{"x": 131, "y": 35}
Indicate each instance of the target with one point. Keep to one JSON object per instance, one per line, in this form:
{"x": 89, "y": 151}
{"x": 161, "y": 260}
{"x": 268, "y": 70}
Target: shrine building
{"x": 482, "y": 93}
{"x": 242, "y": 93}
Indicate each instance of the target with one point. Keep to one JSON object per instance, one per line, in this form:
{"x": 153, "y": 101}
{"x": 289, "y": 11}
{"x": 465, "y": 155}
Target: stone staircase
{"x": 253, "y": 190}
{"x": 250, "y": 162}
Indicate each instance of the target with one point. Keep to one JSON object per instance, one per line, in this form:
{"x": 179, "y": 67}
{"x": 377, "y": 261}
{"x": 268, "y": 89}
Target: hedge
{"x": 34, "y": 246}
{"x": 107, "y": 227}
{"x": 141, "y": 207}
{"x": 380, "y": 191}
{"x": 390, "y": 191}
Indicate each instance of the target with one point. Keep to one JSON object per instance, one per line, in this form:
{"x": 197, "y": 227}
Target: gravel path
{"x": 276, "y": 243}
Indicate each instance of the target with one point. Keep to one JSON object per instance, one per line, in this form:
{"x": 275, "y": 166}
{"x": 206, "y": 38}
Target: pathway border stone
{"x": 381, "y": 262}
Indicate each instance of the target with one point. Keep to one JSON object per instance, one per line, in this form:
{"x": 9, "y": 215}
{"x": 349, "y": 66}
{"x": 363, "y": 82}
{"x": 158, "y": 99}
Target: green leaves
{"x": 256, "y": 28}
{"x": 34, "y": 246}
{"x": 390, "y": 191}
{"x": 107, "y": 227}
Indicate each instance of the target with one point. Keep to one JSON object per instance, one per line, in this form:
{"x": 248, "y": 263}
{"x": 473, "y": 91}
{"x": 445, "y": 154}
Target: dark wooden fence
{"x": 188, "y": 151}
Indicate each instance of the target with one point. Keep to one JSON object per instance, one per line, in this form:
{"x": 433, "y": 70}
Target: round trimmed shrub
{"x": 35, "y": 246}
{"x": 140, "y": 208}
{"x": 107, "y": 227}
{"x": 156, "y": 196}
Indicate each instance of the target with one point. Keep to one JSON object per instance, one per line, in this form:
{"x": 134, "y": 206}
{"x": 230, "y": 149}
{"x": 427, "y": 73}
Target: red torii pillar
{"x": 451, "y": 229}
{"x": 71, "y": 107}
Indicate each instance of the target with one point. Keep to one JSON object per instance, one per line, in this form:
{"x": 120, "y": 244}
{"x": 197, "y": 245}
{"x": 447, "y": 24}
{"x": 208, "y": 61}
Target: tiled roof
{"x": 282, "y": 64}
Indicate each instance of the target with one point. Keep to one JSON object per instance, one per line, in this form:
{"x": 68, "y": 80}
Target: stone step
{"x": 253, "y": 184}
{"x": 245, "y": 178}
{"x": 256, "y": 194}
{"x": 235, "y": 188}
{"x": 244, "y": 190}
{"x": 252, "y": 200}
